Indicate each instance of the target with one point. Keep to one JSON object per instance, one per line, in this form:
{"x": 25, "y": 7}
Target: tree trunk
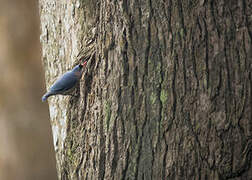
{"x": 167, "y": 93}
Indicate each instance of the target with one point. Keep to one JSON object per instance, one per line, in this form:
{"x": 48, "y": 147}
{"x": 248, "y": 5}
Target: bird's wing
{"x": 65, "y": 82}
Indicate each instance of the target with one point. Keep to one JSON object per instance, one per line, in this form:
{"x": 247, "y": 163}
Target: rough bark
{"x": 167, "y": 94}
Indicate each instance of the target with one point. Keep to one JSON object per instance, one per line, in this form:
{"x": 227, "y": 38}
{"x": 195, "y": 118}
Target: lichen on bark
{"x": 166, "y": 94}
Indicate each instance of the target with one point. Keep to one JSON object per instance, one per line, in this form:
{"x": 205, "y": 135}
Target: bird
{"x": 66, "y": 83}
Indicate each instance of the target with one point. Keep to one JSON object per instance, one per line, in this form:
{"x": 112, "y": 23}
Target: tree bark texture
{"x": 167, "y": 93}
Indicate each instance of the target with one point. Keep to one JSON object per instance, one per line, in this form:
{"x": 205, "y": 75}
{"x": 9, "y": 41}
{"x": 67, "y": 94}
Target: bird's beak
{"x": 84, "y": 63}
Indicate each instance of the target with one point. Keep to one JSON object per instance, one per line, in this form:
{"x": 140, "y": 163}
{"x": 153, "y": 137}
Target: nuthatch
{"x": 66, "y": 82}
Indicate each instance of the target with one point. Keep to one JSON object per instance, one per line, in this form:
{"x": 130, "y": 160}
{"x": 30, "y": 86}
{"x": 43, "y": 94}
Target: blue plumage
{"x": 65, "y": 83}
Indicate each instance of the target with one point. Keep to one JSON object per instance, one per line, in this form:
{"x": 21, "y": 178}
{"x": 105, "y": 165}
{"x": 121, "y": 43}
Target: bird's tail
{"x": 46, "y": 95}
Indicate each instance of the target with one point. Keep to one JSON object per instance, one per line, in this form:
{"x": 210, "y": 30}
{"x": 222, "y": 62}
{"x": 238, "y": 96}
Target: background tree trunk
{"x": 167, "y": 95}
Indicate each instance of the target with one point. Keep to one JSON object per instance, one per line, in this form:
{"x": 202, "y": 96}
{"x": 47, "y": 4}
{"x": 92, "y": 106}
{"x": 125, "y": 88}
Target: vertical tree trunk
{"x": 167, "y": 94}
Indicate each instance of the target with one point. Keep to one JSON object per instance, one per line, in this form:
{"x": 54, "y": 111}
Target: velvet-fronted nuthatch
{"x": 66, "y": 82}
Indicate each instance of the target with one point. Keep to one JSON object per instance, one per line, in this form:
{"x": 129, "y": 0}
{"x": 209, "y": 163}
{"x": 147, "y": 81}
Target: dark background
{"x": 26, "y": 147}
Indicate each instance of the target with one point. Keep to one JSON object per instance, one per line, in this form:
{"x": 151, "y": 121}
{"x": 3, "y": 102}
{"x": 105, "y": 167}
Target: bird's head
{"x": 79, "y": 66}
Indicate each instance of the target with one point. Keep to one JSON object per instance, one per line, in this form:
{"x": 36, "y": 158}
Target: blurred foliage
{"x": 26, "y": 148}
